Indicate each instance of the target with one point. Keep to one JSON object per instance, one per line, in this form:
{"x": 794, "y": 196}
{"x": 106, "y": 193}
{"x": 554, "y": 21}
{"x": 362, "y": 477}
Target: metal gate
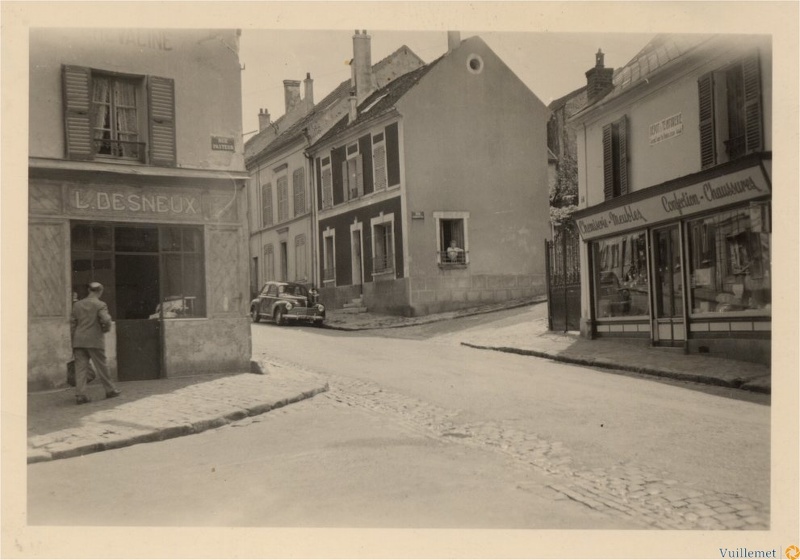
{"x": 563, "y": 280}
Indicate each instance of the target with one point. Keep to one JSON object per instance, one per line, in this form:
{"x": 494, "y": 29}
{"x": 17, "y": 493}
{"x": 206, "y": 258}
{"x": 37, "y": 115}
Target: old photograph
{"x": 412, "y": 278}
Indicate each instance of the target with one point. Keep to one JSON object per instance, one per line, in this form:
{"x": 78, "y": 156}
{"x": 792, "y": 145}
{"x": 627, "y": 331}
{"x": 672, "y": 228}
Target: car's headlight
{"x": 321, "y": 308}
{"x": 289, "y": 306}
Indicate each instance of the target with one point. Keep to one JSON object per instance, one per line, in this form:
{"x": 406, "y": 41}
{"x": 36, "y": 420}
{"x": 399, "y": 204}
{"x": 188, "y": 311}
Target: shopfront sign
{"x": 716, "y": 192}
{"x": 134, "y": 203}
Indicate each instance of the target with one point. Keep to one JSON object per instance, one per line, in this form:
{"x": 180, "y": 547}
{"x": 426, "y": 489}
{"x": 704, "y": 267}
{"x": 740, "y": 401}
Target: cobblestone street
{"x": 631, "y": 491}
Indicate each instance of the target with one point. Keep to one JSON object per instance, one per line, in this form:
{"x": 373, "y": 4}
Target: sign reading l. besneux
{"x": 716, "y": 192}
{"x": 223, "y": 143}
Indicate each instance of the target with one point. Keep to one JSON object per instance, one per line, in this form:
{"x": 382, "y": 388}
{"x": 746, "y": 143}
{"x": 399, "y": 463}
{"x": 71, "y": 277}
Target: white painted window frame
{"x": 438, "y": 216}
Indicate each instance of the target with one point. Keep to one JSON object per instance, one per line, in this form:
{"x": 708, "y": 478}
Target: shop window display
{"x": 620, "y": 276}
{"x": 730, "y": 261}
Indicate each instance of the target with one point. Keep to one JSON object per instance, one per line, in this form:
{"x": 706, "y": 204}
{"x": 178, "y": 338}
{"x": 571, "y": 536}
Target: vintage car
{"x": 287, "y": 301}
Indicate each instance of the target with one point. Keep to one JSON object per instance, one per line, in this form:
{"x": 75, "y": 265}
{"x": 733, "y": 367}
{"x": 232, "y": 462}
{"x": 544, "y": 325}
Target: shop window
{"x": 621, "y": 287}
{"x": 383, "y": 244}
{"x": 730, "y": 112}
{"x": 108, "y": 115}
{"x": 730, "y": 256}
{"x": 137, "y": 263}
{"x": 615, "y": 158}
{"x": 182, "y": 272}
{"x": 283, "y": 198}
{"x": 266, "y": 205}
{"x": 452, "y": 245}
{"x": 299, "y": 190}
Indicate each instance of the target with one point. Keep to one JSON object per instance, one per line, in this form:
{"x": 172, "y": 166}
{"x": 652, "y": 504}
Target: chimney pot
{"x": 453, "y": 40}
{"x": 291, "y": 93}
{"x": 309, "y": 91}
{"x": 363, "y": 78}
{"x": 599, "y": 80}
{"x": 263, "y": 119}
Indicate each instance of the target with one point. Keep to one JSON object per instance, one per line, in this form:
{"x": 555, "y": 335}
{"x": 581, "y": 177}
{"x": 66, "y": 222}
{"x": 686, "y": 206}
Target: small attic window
{"x": 371, "y": 105}
{"x": 475, "y": 64}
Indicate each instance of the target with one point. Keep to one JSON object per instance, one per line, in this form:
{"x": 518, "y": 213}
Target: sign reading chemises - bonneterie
{"x": 716, "y": 192}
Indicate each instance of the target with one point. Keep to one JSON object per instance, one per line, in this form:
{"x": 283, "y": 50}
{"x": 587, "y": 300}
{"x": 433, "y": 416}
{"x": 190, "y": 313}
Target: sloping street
{"x": 417, "y": 430}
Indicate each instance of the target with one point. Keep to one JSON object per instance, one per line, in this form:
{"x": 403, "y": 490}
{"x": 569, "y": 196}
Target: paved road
{"x": 422, "y": 432}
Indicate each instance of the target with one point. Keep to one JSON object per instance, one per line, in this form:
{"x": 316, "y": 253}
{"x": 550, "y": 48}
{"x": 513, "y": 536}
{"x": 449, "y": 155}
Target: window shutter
{"x": 345, "y": 181}
{"x": 365, "y": 149}
{"x": 320, "y": 190}
{"x": 608, "y": 162}
{"x": 161, "y": 107}
{"x": 752, "y": 102}
{"x": 622, "y": 126}
{"x": 77, "y": 114}
{"x": 379, "y": 156}
{"x": 337, "y": 158}
{"x": 360, "y": 174}
{"x": 708, "y": 152}
{"x": 392, "y": 155}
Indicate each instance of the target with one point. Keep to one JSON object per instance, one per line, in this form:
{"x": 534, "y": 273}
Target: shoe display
{"x": 82, "y": 399}
{"x": 114, "y": 393}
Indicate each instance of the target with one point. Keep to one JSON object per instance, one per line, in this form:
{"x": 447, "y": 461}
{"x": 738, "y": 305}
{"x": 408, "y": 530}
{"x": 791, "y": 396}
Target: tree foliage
{"x": 564, "y": 192}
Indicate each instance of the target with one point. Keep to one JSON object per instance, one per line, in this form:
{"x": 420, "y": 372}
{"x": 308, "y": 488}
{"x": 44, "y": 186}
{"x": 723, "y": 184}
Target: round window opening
{"x": 474, "y": 64}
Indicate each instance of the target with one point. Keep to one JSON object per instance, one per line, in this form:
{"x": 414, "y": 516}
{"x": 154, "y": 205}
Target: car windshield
{"x": 295, "y": 290}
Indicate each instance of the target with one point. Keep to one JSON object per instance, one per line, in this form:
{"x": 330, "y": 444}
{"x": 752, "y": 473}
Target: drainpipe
{"x": 313, "y": 197}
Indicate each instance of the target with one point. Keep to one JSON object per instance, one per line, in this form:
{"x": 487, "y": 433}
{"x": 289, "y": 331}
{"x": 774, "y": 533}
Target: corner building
{"x": 675, "y": 187}
{"x": 136, "y": 180}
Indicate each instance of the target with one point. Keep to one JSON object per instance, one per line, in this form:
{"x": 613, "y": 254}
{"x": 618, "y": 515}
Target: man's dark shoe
{"x": 82, "y": 399}
{"x": 114, "y": 393}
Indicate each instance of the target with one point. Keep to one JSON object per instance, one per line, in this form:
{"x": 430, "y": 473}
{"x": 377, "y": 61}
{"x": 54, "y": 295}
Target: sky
{"x": 550, "y": 64}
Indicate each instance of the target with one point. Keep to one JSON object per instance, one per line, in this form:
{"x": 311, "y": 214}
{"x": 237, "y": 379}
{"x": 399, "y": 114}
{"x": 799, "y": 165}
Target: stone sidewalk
{"x": 531, "y": 337}
{"x": 157, "y": 410}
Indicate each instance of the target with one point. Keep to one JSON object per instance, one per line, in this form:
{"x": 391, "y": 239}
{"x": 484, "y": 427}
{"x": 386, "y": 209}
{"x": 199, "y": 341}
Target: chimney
{"x": 453, "y": 40}
{"x": 362, "y": 65}
{"x": 263, "y": 119}
{"x": 353, "y": 113}
{"x": 309, "y": 91}
{"x": 291, "y": 92}
{"x": 598, "y": 79}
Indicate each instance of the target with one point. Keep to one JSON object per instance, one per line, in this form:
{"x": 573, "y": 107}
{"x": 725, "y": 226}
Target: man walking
{"x": 89, "y": 323}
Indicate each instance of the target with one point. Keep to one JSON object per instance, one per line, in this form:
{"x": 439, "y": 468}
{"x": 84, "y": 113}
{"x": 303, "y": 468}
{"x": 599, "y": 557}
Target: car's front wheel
{"x": 254, "y": 314}
{"x": 279, "y": 318}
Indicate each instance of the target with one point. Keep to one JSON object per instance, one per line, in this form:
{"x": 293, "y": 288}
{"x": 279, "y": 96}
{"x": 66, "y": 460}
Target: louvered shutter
{"x": 360, "y": 174}
{"x": 708, "y": 151}
{"x": 752, "y": 102}
{"x": 608, "y": 162}
{"x": 622, "y": 126}
{"x": 392, "y": 155}
{"x": 365, "y": 149}
{"x": 77, "y": 112}
{"x": 161, "y": 106}
{"x": 379, "y": 157}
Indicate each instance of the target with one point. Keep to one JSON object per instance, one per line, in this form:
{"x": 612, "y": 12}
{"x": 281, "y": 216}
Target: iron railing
{"x": 122, "y": 149}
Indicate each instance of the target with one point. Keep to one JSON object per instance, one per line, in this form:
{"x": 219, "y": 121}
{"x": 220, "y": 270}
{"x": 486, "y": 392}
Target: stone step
{"x": 354, "y": 303}
{"x": 354, "y": 310}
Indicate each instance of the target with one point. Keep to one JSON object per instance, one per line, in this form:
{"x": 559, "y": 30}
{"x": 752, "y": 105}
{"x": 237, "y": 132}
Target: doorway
{"x": 138, "y": 335}
{"x": 669, "y": 322}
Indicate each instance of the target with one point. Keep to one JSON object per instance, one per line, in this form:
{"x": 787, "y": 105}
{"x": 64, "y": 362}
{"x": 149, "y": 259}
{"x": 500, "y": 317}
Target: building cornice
{"x": 45, "y": 165}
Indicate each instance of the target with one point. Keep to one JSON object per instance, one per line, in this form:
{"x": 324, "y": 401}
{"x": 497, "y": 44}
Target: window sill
{"x": 383, "y": 273}
{"x": 447, "y": 266}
